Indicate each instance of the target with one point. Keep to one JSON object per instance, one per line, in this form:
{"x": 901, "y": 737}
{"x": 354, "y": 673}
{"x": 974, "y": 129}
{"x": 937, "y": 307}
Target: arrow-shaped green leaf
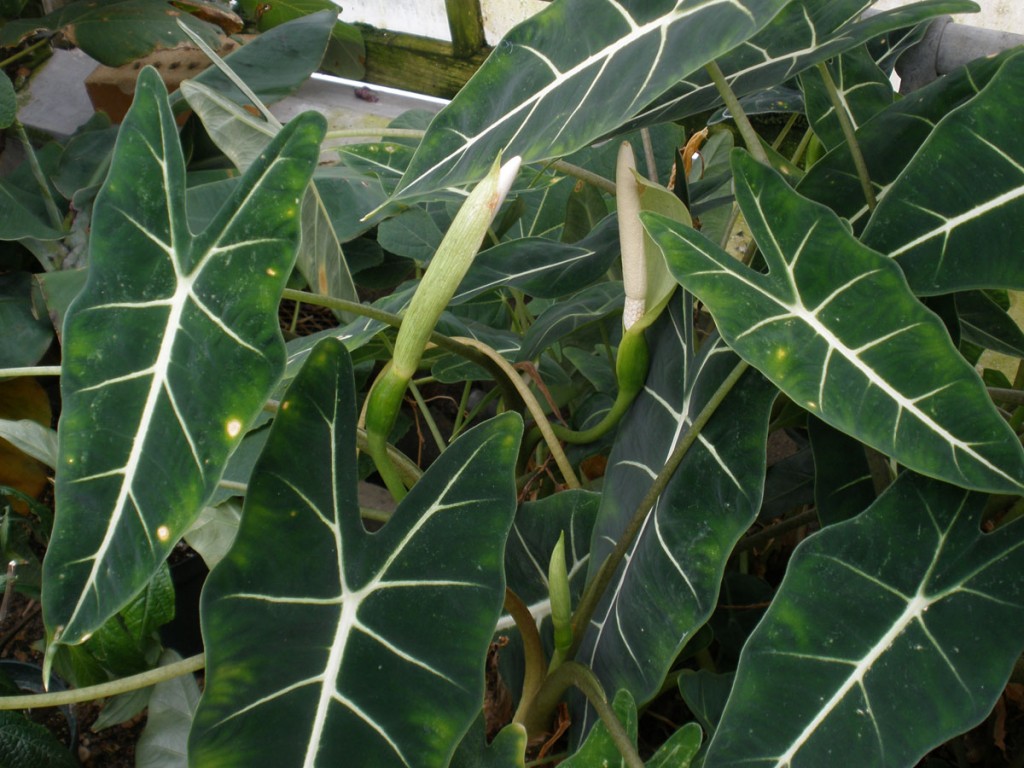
{"x": 890, "y": 140}
{"x": 626, "y": 54}
{"x": 667, "y": 586}
{"x": 143, "y": 438}
{"x": 954, "y": 219}
{"x": 335, "y": 646}
{"x": 836, "y": 327}
{"x": 890, "y": 633}
{"x": 804, "y": 33}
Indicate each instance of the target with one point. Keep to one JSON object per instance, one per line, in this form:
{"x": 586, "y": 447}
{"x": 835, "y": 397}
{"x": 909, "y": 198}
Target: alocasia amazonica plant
{"x": 590, "y": 528}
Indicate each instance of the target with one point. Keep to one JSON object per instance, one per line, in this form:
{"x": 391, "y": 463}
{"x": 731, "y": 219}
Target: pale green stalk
{"x": 427, "y": 417}
{"x": 533, "y": 653}
{"x": 750, "y": 137}
{"x": 535, "y": 410}
{"x": 583, "y": 174}
{"x": 851, "y": 137}
{"x": 573, "y": 673}
{"x": 105, "y": 690}
{"x": 449, "y": 265}
{"x": 37, "y": 370}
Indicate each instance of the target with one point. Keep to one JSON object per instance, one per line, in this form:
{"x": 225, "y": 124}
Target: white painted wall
{"x": 427, "y": 17}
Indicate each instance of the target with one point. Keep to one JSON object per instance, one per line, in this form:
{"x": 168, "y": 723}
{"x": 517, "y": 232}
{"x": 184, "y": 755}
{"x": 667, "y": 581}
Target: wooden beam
{"x": 417, "y": 64}
{"x": 466, "y": 23}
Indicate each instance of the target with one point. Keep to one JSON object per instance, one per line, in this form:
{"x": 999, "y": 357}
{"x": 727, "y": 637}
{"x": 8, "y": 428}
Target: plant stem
{"x": 750, "y": 137}
{"x": 395, "y": 321}
{"x": 1002, "y": 394}
{"x": 371, "y": 132}
{"x": 460, "y": 411}
{"x": 24, "y": 52}
{"x": 8, "y": 589}
{"x": 534, "y": 659}
{"x": 38, "y": 370}
{"x": 574, "y": 673}
{"x": 595, "y": 589}
{"x": 757, "y": 539}
{"x": 612, "y": 417}
{"x": 798, "y": 153}
{"x": 785, "y": 131}
{"x": 848, "y": 132}
{"x": 534, "y": 408}
{"x": 104, "y": 690}
{"x": 603, "y": 184}
{"x": 428, "y": 417}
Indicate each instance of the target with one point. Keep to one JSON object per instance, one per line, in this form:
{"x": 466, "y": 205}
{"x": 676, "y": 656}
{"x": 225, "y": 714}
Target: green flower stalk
{"x": 446, "y": 270}
{"x": 561, "y": 604}
{"x": 646, "y": 283}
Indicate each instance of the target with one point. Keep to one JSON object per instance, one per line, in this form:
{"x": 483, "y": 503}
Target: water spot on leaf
{"x": 233, "y": 427}
{"x": 163, "y": 533}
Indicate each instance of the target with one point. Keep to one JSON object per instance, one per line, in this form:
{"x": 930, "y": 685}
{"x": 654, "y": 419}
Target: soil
{"x": 21, "y": 635}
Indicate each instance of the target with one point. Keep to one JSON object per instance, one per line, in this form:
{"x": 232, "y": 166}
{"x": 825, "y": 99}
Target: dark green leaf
{"x": 591, "y": 305}
{"x": 141, "y": 447}
{"x": 624, "y": 57}
{"x": 85, "y": 160}
{"x": 804, "y": 33}
{"x": 345, "y": 54}
{"x": 778, "y": 99}
{"x": 939, "y": 610}
{"x": 705, "y": 694}
{"x": 540, "y": 267}
{"x": 8, "y": 103}
{"x": 507, "y": 750}
{"x": 413, "y": 234}
{"x": 667, "y": 586}
{"x": 955, "y": 231}
{"x": 889, "y": 376}
{"x": 348, "y": 196}
{"x": 378, "y": 629}
{"x": 24, "y": 744}
{"x": 277, "y": 62}
{"x": 843, "y": 487}
{"x": 984, "y": 323}
{"x": 56, "y": 291}
{"x": 789, "y": 483}
{"x": 891, "y": 138}
{"x": 22, "y": 210}
{"x": 25, "y": 337}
